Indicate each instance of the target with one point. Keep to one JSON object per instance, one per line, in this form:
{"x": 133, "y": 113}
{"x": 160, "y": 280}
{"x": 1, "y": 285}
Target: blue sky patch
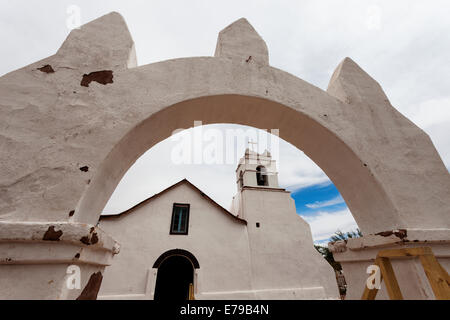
{"x": 320, "y": 197}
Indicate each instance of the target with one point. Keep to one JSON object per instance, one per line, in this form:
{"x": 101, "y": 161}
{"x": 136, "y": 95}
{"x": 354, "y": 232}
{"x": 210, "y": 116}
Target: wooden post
{"x": 436, "y": 274}
{"x": 390, "y": 280}
{"x": 369, "y": 294}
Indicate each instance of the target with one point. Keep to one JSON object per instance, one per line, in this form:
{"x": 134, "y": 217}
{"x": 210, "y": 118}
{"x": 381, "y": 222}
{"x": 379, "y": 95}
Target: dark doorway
{"x": 175, "y": 274}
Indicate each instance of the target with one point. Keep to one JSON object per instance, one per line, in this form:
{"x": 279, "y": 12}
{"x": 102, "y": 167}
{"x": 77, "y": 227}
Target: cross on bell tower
{"x": 251, "y": 143}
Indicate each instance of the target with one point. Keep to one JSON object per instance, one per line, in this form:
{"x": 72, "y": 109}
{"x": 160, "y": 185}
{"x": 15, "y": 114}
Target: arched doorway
{"x": 175, "y": 275}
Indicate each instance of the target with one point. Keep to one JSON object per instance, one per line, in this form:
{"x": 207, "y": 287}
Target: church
{"x": 180, "y": 244}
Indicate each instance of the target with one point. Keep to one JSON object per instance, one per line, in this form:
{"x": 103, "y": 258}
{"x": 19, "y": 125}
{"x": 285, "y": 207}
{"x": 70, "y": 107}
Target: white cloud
{"x": 430, "y": 112}
{"x": 327, "y": 203}
{"x": 324, "y": 224}
{"x": 296, "y": 170}
{"x": 407, "y": 56}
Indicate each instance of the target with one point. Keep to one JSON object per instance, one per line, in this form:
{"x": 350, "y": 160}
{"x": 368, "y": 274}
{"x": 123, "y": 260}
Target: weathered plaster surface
{"x": 66, "y": 146}
{"x": 235, "y": 40}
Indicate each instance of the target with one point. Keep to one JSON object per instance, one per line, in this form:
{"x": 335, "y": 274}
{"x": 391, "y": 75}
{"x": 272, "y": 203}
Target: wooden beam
{"x": 369, "y": 294}
{"x": 390, "y": 280}
{"x": 437, "y": 276}
{"x": 404, "y": 252}
{"x": 444, "y": 272}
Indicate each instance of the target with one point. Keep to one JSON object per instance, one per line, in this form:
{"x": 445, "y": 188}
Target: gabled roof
{"x": 130, "y": 210}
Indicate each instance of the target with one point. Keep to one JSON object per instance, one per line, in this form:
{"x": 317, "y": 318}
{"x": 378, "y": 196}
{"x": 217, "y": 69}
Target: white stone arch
{"x": 69, "y": 145}
{"x": 142, "y": 137}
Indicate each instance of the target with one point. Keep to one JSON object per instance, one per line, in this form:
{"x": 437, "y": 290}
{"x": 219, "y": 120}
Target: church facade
{"x": 180, "y": 243}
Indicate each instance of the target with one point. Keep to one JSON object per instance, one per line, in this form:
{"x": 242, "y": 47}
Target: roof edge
{"x": 156, "y": 195}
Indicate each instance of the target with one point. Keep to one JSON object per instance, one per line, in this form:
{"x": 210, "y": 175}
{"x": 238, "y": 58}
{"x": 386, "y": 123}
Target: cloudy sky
{"x": 403, "y": 44}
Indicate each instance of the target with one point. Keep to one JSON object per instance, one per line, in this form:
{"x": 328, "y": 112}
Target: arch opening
{"x": 177, "y": 252}
{"x": 364, "y": 195}
{"x": 175, "y": 275}
{"x": 316, "y": 199}
{"x": 261, "y": 176}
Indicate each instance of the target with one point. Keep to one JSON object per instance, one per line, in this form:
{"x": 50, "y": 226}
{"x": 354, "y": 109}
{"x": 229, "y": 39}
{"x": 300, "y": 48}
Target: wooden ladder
{"x": 436, "y": 274}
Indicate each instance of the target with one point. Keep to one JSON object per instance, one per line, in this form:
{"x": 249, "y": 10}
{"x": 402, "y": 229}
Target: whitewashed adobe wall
{"x": 73, "y": 123}
{"x": 217, "y": 240}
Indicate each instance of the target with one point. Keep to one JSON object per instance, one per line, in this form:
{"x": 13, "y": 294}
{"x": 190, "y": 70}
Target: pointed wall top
{"x": 241, "y": 41}
{"x": 104, "y": 43}
{"x": 351, "y": 84}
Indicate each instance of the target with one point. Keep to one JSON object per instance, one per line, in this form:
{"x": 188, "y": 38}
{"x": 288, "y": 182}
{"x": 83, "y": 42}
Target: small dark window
{"x": 241, "y": 179}
{"x": 257, "y": 224}
{"x": 180, "y": 219}
{"x": 261, "y": 176}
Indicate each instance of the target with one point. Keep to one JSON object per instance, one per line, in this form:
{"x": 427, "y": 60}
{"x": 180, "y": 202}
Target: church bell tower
{"x": 257, "y": 172}
{"x": 278, "y": 237}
